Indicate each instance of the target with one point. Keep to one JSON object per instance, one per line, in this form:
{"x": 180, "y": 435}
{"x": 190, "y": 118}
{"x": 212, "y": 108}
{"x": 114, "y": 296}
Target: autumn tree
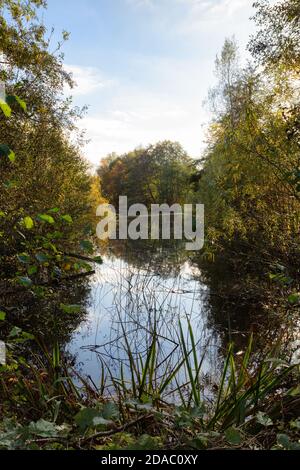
{"x": 155, "y": 175}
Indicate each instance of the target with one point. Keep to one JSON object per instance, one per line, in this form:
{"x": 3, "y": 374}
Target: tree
{"x": 48, "y": 172}
{"x": 155, "y": 175}
{"x": 250, "y": 197}
{"x": 277, "y": 42}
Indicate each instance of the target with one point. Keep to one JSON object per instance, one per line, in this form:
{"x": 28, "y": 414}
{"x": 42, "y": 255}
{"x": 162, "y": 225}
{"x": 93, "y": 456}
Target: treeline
{"x": 158, "y": 174}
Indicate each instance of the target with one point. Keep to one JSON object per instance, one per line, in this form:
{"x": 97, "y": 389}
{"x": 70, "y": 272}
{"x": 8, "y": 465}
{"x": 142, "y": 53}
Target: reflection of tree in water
{"x": 42, "y": 316}
{"x": 144, "y": 288}
{"x": 237, "y": 306}
{"x": 164, "y": 257}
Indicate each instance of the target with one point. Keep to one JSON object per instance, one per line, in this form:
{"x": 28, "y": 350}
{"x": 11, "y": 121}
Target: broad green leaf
{"x": 27, "y": 336}
{"x": 12, "y": 99}
{"x": 6, "y": 109}
{"x": 14, "y": 332}
{"x": 42, "y": 258}
{"x": 295, "y": 424}
{"x": 6, "y": 151}
{"x": 24, "y": 281}
{"x": 199, "y": 442}
{"x": 28, "y": 223}
{"x": 264, "y": 419}
{"x": 43, "y": 428}
{"x": 294, "y": 299}
{"x": 85, "y": 418}
{"x": 32, "y": 270}
{"x": 110, "y": 411}
{"x": 284, "y": 441}
{"x": 98, "y": 260}
{"x": 2, "y": 316}
{"x": 70, "y": 308}
{"x": 12, "y": 156}
{"x": 55, "y": 235}
{"x": 24, "y": 258}
{"x": 46, "y": 218}
{"x": 67, "y": 218}
{"x": 21, "y": 103}
{"x": 233, "y": 436}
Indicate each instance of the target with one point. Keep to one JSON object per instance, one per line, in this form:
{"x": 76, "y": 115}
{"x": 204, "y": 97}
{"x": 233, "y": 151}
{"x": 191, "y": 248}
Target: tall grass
{"x": 243, "y": 387}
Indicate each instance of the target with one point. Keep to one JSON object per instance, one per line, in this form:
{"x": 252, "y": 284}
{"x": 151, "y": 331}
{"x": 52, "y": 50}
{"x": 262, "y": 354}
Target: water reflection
{"x": 134, "y": 294}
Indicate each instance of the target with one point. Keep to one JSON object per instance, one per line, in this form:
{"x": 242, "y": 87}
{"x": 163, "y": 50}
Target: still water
{"x": 134, "y": 295}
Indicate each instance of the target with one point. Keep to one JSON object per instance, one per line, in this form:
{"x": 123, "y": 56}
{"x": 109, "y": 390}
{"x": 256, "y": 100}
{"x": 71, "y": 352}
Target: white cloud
{"x": 194, "y": 15}
{"x": 87, "y": 80}
{"x": 207, "y": 15}
{"x": 161, "y": 97}
{"x": 138, "y": 117}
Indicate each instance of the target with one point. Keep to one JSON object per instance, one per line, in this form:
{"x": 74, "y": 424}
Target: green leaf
{"x": 98, "y": 260}
{"x": 24, "y": 258}
{"x": 87, "y": 246}
{"x": 20, "y": 336}
{"x": 295, "y": 424}
{"x": 67, "y": 218}
{"x": 10, "y": 184}
{"x": 5, "y": 151}
{"x": 12, "y": 156}
{"x": 284, "y": 441}
{"x": 6, "y": 109}
{"x": 85, "y": 418}
{"x": 70, "y": 308}
{"x": 264, "y": 419}
{"x": 24, "y": 281}
{"x": 21, "y": 103}
{"x": 294, "y": 299}
{"x": 199, "y": 442}
{"x": 32, "y": 270}
{"x": 55, "y": 235}
{"x": 2, "y": 316}
{"x": 42, "y": 258}
{"x": 55, "y": 210}
{"x": 12, "y": 99}
{"x": 233, "y": 436}
{"x": 14, "y": 332}
{"x": 46, "y": 218}
{"x": 28, "y": 223}
{"x": 43, "y": 428}
{"x": 27, "y": 336}
{"x": 110, "y": 411}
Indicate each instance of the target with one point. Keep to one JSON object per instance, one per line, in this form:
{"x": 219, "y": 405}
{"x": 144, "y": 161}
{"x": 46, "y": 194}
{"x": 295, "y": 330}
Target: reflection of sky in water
{"x": 127, "y": 302}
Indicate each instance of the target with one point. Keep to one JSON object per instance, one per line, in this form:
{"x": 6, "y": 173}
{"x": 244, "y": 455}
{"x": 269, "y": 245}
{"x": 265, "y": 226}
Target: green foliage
{"x": 70, "y": 308}
{"x": 233, "y": 436}
{"x": 264, "y": 419}
{"x": 7, "y": 152}
{"x": 158, "y": 174}
{"x": 2, "y": 316}
{"x": 28, "y": 223}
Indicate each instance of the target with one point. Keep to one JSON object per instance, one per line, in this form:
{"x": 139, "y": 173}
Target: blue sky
{"x": 144, "y": 67}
